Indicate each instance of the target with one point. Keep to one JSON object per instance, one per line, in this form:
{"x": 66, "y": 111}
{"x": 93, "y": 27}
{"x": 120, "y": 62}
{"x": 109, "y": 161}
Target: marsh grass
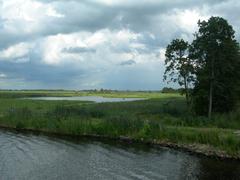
{"x": 158, "y": 118}
{"x": 72, "y": 120}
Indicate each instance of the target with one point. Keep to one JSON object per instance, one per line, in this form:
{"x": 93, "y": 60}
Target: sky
{"x": 93, "y": 44}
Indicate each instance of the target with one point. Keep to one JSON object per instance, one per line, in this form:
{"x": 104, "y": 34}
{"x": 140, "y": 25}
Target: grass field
{"x": 162, "y": 117}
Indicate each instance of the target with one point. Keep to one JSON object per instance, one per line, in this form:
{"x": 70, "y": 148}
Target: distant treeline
{"x": 164, "y": 90}
{"x": 172, "y": 90}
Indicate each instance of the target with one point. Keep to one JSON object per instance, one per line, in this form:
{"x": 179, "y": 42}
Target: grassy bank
{"x": 162, "y": 118}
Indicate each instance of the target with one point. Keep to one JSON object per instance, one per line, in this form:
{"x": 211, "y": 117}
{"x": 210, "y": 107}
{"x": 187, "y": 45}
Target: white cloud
{"x": 53, "y": 46}
{"x": 127, "y": 2}
{"x": 50, "y": 11}
{"x": 188, "y": 19}
{"x": 15, "y": 51}
{"x": 2, "y": 75}
{"x": 103, "y": 41}
{"x": 26, "y": 16}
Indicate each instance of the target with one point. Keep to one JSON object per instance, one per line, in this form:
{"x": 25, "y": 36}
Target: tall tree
{"x": 178, "y": 65}
{"x": 216, "y": 56}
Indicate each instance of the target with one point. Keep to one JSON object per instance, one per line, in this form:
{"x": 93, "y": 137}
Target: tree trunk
{"x": 210, "y": 100}
{"x": 186, "y": 91}
{"x": 211, "y": 90}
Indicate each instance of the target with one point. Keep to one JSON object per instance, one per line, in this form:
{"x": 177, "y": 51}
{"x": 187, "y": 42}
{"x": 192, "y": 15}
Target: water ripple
{"x": 26, "y": 156}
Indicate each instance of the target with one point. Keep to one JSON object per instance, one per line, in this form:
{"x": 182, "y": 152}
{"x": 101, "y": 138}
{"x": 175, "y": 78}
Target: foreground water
{"x": 27, "y": 156}
{"x": 97, "y": 99}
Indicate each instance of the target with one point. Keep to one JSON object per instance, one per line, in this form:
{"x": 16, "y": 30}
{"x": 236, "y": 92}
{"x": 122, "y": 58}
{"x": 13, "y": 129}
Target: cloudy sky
{"x": 88, "y": 44}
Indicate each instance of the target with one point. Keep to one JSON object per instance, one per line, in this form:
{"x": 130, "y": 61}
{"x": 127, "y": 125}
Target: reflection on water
{"x": 26, "y": 156}
{"x": 97, "y": 99}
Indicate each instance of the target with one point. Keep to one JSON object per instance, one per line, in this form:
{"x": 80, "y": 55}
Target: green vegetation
{"x": 179, "y": 66}
{"x": 210, "y": 65}
{"x": 208, "y": 72}
{"x": 216, "y": 55}
{"x": 69, "y": 93}
{"x": 163, "y": 117}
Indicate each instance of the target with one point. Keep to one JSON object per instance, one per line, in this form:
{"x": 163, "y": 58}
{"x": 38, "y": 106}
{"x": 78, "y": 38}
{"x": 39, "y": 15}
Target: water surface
{"x": 32, "y": 157}
{"x": 97, "y": 99}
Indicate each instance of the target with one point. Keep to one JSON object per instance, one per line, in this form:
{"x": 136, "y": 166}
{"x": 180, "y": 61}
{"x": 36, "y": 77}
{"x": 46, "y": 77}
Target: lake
{"x": 97, "y": 99}
{"x": 35, "y": 157}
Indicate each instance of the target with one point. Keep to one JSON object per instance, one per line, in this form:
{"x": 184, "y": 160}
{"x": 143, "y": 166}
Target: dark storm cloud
{"x": 38, "y": 72}
{"x": 154, "y": 22}
{"x": 92, "y": 16}
{"x": 127, "y": 63}
{"x": 78, "y": 50}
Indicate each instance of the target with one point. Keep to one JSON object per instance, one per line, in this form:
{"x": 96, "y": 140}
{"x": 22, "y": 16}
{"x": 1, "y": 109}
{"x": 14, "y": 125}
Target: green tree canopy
{"x": 178, "y": 65}
{"x": 215, "y": 54}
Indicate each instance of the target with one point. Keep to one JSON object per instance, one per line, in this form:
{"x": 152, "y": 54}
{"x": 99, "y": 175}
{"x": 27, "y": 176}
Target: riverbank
{"x": 196, "y": 149}
{"x": 63, "y": 157}
{"x": 162, "y": 120}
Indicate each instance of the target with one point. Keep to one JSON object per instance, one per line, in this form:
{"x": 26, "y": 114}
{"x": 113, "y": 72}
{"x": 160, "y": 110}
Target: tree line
{"x": 208, "y": 68}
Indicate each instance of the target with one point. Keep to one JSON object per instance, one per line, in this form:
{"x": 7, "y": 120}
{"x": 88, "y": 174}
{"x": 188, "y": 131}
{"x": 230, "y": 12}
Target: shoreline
{"x": 194, "y": 149}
